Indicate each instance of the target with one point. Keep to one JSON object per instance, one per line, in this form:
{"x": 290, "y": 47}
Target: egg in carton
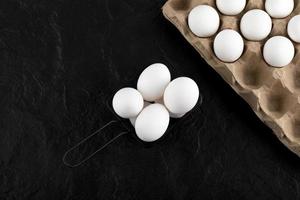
{"x": 273, "y": 93}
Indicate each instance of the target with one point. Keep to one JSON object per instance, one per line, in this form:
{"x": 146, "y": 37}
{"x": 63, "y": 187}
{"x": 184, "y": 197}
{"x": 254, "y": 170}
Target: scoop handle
{"x": 67, "y": 163}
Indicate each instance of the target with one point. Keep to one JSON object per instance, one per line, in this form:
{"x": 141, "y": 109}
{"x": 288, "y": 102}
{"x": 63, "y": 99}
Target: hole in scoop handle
{"x": 67, "y": 163}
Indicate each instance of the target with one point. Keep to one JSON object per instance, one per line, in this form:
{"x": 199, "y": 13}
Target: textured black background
{"x": 61, "y": 62}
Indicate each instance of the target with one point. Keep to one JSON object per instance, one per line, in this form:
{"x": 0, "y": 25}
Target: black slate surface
{"x": 60, "y": 63}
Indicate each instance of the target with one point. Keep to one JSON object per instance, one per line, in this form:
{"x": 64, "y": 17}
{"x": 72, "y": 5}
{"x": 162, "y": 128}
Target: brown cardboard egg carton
{"x": 272, "y": 93}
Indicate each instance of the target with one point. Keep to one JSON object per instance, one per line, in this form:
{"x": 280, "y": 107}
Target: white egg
{"x": 256, "y": 25}
{"x": 228, "y": 45}
{"x": 279, "y": 8}
{"x": 181, "y": 95}
{"x": 153, "y": 81}
{"x": 231, "y": 7}
{"x": 203, "y": 21}
{"x": 133, "y": 119}
{"x": 294, "y": 28}
{"x": 278, "y": 51}
{"x": 152, "y": 122}
{"x": 128, "y": 102}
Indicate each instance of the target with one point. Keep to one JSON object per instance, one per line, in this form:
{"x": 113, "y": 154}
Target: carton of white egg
{"x": 256, "y": 49}
{"x": 156, "y": 99}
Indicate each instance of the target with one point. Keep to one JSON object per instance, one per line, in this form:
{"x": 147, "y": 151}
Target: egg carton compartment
{"x": 251, "y": 75}
{"x": 272, "y": 93}
{"x": 276, "y": 100}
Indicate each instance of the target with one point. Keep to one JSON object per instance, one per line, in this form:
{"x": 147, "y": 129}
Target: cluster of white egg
{"x": 255, "y": 25}
{"x": 156, "y": 99}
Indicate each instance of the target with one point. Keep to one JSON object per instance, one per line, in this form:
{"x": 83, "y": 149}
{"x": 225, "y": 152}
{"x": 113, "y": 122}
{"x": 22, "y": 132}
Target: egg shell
{"x": 279, "y": 8}
{"x": 127, "y": 102}
{"x": 152, "y": 122}
{"x": 153, "y": 81}
{"x": 278, "y": 51}
{"x": 198, "y": 21}
{"x": 231, "y": 7}
{"x": 181, "y": 95}
{"x": 294, "y": 28}
{"x": 228, "y": 45}
{"x": 133, "y": 119}
{"x": 256, "y": 25}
